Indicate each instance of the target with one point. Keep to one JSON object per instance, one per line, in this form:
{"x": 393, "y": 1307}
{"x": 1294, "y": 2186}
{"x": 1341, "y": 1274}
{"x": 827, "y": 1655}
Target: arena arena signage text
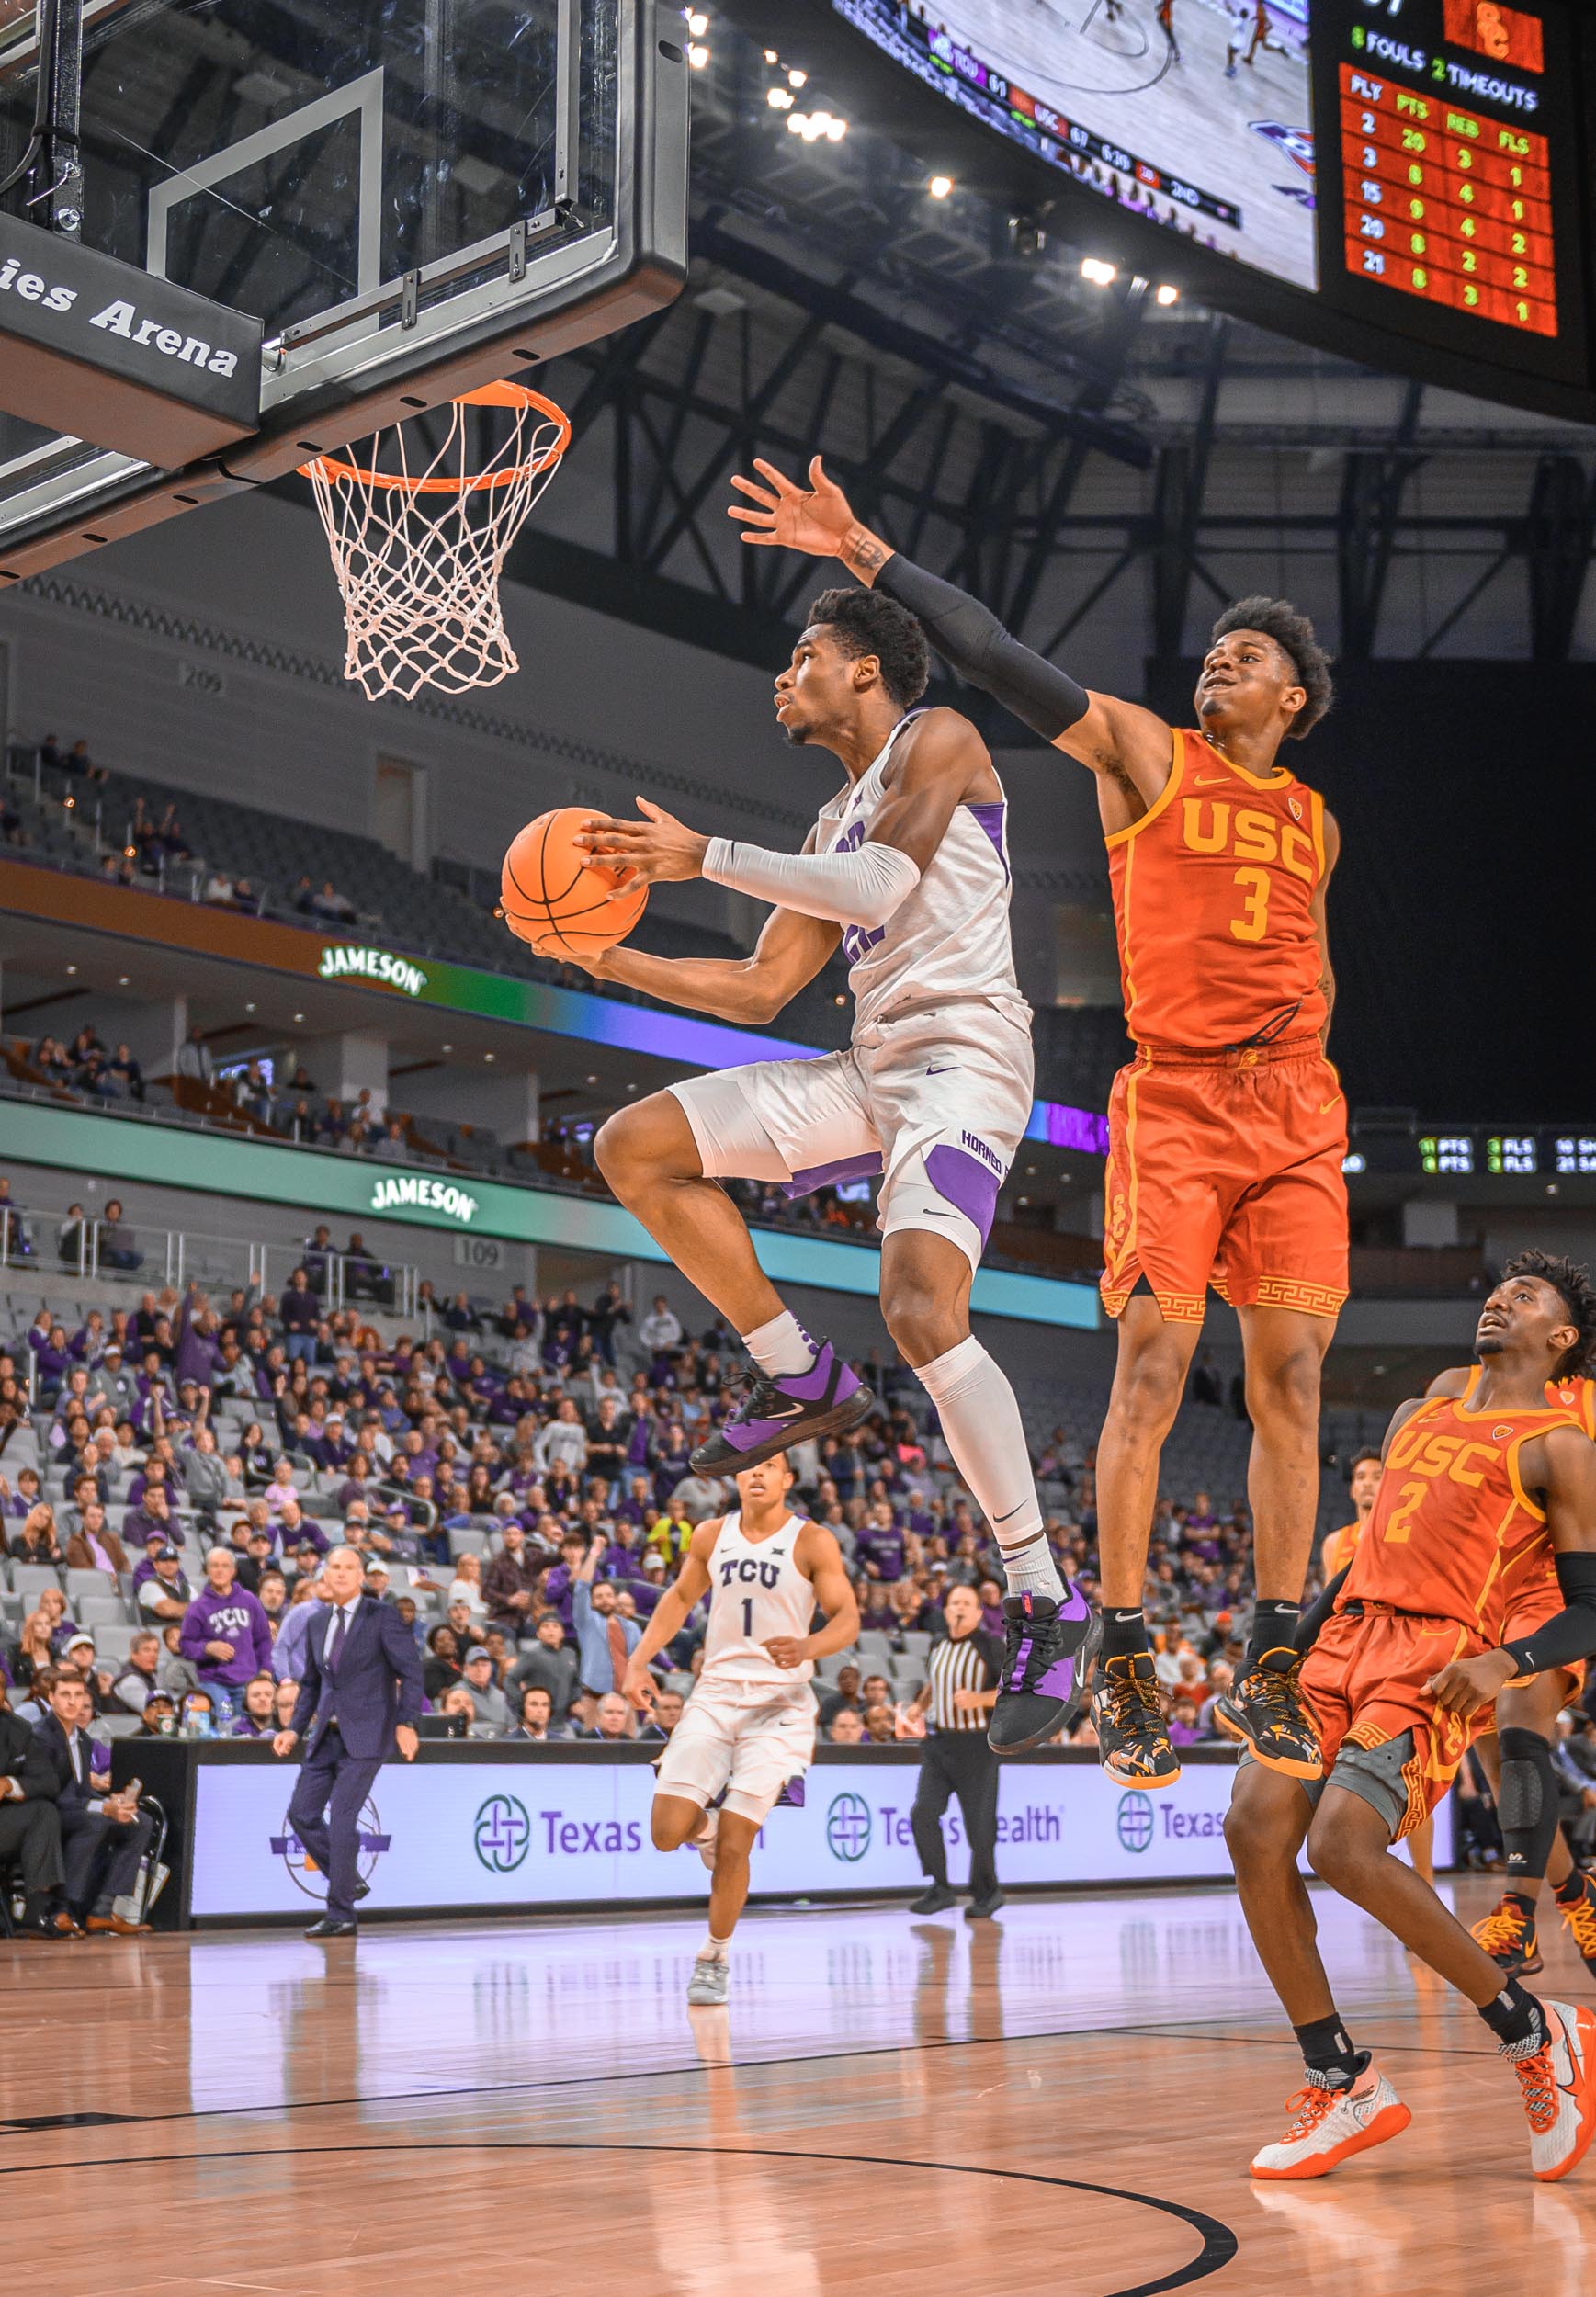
{"x": 426, "y": 1195}
{"x": 340, "y": 958}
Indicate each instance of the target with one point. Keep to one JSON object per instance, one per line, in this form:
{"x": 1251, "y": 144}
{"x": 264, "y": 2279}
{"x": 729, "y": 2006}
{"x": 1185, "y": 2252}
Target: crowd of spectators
{"x": 519, "y": 1486}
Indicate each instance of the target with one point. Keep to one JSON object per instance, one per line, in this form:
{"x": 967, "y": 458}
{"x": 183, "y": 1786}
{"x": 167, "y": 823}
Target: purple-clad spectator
{"x": 257, "y": 1715}
{"x": 878, "y": 1543}
{"x": 300, "y": 1312}
{"x": 226, "y": 1635}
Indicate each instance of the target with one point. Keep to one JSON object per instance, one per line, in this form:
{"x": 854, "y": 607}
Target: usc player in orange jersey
{"x": 1228, "y": 1131}
{"x": 1416, "y": 1642}
{"x": 1362, "y": 1488}
{"x": 1516, "y": 1752}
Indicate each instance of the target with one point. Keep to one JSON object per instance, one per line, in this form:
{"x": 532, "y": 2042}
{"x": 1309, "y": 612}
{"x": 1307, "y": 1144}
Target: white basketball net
{"x": 418, "y": 551}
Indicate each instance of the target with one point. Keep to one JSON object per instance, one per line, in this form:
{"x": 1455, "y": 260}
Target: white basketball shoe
{"x": 1558, "y": 2082}
{"x": 1330, "y": 2125}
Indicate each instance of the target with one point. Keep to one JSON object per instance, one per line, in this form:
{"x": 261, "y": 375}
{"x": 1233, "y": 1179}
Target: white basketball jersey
{"x": 950, "y": 939}
{"x": 756, "y": 1590}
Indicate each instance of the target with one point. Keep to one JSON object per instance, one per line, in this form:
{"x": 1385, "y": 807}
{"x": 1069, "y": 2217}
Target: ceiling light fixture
{"x": 940, "y": 187}
{"x": 1101, "y": 274}
{"x": 1167, "y": 295}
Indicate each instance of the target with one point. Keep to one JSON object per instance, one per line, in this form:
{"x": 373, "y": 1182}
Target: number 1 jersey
{"x": 756, "y": 1590}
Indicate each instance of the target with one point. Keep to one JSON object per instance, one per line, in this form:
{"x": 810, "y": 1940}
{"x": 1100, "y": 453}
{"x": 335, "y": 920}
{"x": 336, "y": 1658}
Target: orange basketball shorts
{"x": 1225, "y": 1168}
{"x": 1364, "y": 1680}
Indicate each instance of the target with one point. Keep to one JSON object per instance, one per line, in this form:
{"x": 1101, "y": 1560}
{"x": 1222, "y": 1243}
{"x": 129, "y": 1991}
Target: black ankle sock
{"x": 1327, "y": 2049}
{"x": 1514, "y": 2015}
{"x": 1274, "y": 1628}
{"x": 1570, "y": 1891}
{"x": 1124, "y": 1633}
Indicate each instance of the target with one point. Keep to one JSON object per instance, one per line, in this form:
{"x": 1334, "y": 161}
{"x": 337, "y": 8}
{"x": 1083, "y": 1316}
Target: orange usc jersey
{"x": 1213, "y": 905}
{"x": 1454, "y": 1534}
{"x": 1540, "y": 1598}
{"x": 1340, "y": 1549}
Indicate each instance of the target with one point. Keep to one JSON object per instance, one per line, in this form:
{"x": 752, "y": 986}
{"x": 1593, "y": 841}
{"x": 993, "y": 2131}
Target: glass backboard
{"x": 414, "y": 196}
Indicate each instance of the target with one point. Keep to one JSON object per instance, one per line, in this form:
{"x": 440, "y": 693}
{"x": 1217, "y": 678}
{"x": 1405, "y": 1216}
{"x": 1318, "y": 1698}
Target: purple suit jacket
{"x": 377, "y": 1687}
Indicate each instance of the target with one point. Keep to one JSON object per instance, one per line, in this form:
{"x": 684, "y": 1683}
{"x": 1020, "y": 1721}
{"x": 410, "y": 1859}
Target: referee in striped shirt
{"x": 966, "y": 1667}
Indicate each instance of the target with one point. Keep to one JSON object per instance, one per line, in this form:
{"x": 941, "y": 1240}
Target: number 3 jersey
{"x": 756, "y": 1590}
{"x": 1454, "y": 1533}
{"x": 1213, "y": 905}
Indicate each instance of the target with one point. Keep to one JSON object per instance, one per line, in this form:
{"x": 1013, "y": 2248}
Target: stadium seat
{"x": 80, "y": 1583}
{"x": 31, "y": 1579}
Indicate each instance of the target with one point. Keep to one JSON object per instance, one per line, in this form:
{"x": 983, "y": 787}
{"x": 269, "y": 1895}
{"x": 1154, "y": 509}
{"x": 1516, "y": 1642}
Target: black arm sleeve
{"x": 1568, "y": 1634}
{"x": 1311, "y": 1625}
{"x": 975, "y": 643}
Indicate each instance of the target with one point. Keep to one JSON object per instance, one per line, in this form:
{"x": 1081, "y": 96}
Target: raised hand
{"x": 818, "y": 520}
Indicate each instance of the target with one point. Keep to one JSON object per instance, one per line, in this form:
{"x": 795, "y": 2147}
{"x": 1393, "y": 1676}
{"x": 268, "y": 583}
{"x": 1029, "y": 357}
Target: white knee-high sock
{"x": 981, "y": 1423}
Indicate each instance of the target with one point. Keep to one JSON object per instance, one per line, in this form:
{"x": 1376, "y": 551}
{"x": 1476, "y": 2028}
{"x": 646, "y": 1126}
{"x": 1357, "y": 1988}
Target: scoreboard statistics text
{"x": 1444, "y": 203}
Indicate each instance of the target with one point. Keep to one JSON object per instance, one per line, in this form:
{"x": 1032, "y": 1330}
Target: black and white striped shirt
{"x": 973, "y": 1662}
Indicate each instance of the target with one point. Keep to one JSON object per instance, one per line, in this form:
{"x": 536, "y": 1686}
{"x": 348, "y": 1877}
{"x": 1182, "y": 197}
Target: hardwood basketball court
{"x": 1062, "y": 2101}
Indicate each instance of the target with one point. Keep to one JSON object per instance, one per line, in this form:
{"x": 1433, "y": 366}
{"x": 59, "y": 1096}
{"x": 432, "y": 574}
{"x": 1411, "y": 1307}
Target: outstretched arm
{"x": 1126, "y": 746}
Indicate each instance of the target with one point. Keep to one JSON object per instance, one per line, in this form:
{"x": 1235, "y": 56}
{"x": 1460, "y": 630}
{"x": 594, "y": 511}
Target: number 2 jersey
{"x": 1454, "y": 1533}
{"x": 1213, "y": 905}
{"x": 756, "y": 1590}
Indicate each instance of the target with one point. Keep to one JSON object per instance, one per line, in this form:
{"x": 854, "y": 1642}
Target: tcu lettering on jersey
{"x": 749, "y": 1573}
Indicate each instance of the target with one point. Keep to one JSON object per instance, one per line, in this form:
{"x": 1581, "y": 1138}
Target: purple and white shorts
{"x": 936, "y": 1103}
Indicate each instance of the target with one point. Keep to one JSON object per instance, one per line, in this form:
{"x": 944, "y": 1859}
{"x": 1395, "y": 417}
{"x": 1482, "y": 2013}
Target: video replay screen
{"x": 1198, "y": 114}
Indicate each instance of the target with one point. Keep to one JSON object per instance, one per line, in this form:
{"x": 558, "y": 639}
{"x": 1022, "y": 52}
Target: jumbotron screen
{"x": 1415, "y": 163}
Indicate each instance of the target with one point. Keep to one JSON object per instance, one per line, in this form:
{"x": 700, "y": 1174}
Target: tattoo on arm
{"x": 863, "y": 552}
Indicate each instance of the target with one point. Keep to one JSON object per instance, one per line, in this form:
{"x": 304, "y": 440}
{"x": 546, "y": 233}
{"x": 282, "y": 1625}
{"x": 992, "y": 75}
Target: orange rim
{"x": 488, "y": 395}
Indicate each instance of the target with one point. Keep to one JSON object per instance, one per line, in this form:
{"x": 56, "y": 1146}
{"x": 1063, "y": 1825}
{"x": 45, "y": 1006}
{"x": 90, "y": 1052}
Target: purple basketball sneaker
{"x": 827, "y": 1399}
{"x": 1036, "y": 1693}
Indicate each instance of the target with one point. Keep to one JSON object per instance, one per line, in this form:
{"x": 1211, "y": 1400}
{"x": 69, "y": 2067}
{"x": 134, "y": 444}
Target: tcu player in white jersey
{"x": 907, "y": 867}
{"x": 750, "y": 1723}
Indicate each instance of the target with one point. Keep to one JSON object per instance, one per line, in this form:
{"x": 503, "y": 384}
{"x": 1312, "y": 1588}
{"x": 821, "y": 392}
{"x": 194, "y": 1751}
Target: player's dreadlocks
{"x": 868, "y": 622}
{"x": 1577, "y": 1294}
{"x": 1293, "y": 633}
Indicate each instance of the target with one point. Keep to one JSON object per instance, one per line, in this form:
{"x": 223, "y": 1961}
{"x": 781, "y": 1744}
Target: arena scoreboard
{"x": 1403, "y": 180}
{"x": 1542, "y": 1152}
{"x": 1450, "y": 189}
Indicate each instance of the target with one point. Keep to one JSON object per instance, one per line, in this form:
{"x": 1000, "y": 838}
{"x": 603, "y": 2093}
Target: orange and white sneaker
{"x": 1331, "y": 2125}
{"x": 1558, "y": 2082}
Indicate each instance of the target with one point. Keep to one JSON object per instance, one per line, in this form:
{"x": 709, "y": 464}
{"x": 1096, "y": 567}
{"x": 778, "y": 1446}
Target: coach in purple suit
{"x": 359, "y": 1699}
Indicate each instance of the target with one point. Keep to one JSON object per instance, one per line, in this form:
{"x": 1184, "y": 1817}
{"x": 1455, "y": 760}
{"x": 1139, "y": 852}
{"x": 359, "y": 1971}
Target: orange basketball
{"x": 553, "y": 893}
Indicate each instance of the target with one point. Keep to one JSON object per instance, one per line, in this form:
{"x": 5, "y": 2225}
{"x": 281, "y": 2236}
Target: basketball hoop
{"x": 418, "y": 555}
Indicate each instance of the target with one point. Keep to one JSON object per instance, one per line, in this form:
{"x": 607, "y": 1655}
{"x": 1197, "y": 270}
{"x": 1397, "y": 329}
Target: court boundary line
{"x": 1221, "y": 2246}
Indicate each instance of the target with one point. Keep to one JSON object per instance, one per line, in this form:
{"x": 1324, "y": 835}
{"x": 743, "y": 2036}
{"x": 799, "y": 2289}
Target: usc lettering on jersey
{"x": 1537, "y": 1596}
{"x": 1213, "y": 905}
{"x": 1453, "y": 1533}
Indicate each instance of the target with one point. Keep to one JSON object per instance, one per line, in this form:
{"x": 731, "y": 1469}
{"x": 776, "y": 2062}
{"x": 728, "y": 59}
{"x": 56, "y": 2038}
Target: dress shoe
{"x": 116, "y": 1925}
{"x": 328, "y": 1928}
{"x": 980, "y": 1909}
{"x": 362, "y": 1890}
{"x": 52, "y": 1926}
{"x": 934, "y": 1901}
